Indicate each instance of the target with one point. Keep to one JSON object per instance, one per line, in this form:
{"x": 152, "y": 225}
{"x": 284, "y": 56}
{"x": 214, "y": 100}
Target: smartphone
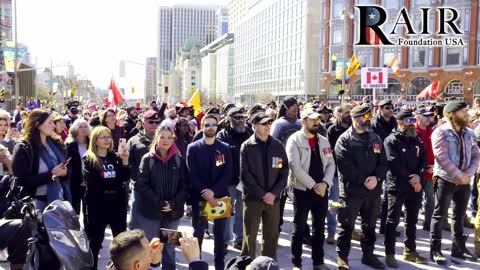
{"x": 168, "y": 236}
{"x": 166, "y": 89}
{"x": 66, "y": 161}
{"x": 13, "y": 125}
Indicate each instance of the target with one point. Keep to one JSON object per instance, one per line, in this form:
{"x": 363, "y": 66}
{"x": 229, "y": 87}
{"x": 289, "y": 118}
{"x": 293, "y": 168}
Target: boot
{"x": 390, "y": 261}
{"x": 414, "y": 257}
{"x": 372, "y": 261}
{"x": 342, "y": 264}
{"x": 436, "y": 252}
{"x": 331, "y": 239}
{"x": 460, "y": 251}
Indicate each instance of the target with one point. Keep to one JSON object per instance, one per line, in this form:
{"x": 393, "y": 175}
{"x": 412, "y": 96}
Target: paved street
{"x": 330, "y": 259}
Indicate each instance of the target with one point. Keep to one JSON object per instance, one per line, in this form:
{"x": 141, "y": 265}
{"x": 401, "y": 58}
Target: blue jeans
{"x": 151, "y": 227}
{"x": 428, "y": 202}
{"x": 234, "y": 227}
{"x": 332, "y": 214}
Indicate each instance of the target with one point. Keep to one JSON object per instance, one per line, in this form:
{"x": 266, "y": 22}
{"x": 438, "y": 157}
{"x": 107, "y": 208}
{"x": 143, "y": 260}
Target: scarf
{"x": 55, "y": 189}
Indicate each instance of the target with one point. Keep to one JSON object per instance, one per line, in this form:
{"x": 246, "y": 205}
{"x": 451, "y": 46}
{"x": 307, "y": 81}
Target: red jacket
{"x": 426, "y": 137}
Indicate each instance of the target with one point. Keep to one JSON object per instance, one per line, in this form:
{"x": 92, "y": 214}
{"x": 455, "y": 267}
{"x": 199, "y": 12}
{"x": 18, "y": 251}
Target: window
{"x": 466, "y": 22}
{"x": 465, "y": 55}
{"x": 418, "y": 58}
{"x": 337, "y": 8}
{"x": 337, "y": 36}
{"x": 452, "y": 56}
{"x": 391, "y": 4}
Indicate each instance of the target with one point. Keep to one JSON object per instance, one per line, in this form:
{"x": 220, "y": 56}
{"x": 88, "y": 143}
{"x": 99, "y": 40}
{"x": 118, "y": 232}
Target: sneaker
{"x": 373, "y": 261}
{"x": 390, "y": 261}
{"x": 356, "y": 236}
{"x": 331, "y": 239}
{"x": 342, "y": 264}
{"x": 414, "y": 257}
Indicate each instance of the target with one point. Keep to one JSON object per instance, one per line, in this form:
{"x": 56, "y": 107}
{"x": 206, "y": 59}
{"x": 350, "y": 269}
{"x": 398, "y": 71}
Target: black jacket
{"x": 405, "y": 156}
{"x": 129, "y": 126}
{"x": 75, "y": 164}
{"x": 163, "y": 182}
{"x": 384, "y": 128}
{"x": 102, "y": 191}
{"x": 235, "y": 140}
{"x": 25, "y": 163}
{"x": 334, "y": 132}
{"x": 259, "y": 176}
{"x": 137, "y": 147}
{"x": 358, "y": 159}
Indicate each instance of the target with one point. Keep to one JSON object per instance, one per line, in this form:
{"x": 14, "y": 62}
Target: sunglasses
{"x": 388, "y": 107}
{"x": 209, "y": 125}
{"x": 239, "y": 117}
{"x": 153, "y": 122}
{"x": 192, "y": 124}
{"x": 268, "y": 123}
{"x": 410, "y": 120}
{"x": 167, "y": 128}
{"x": 367, "y": 116}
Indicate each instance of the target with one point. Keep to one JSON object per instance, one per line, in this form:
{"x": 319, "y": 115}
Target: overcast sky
{"x": 93, "y": 35}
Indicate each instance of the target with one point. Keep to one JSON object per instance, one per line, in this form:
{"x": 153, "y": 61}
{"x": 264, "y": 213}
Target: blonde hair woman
{"x": 105, "y": 174}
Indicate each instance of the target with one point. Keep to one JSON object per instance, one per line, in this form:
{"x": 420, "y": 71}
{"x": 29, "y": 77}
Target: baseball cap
{"x": 260, "y": 118}
{"x": 309, "y": 113}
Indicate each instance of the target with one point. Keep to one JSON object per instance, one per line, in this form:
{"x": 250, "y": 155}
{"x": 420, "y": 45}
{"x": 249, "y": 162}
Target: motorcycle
{"x": 58, "y": 241}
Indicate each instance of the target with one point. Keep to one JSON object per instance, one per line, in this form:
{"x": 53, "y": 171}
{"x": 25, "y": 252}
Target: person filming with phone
{"x": 105, "y": 174}
{"x": 37, "y": 161}
{"x": 162, "y": 189}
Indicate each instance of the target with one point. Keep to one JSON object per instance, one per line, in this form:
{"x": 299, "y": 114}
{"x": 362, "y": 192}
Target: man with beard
{"x": 131, "y": 125}
{"x": 234, "y": 135}
{"x": 312, "y": 168}
{"x": 210, "y": 165}
{"x": 264, "y": 173}
{"x": 407, "y": 162}
{"x": 211, "y": 111}
{"x": 456, "y": 160}
{"x": 343, "y": 122}
{"x": 385, "y": 121}
{"x": 362, "y": 166}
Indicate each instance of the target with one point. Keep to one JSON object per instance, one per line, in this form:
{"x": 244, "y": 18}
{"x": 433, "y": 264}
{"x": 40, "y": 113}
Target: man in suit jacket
{"x": 209, "y": 162}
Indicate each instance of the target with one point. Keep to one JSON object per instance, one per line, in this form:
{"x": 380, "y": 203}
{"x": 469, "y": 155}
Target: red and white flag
{"x": 374, "y": 77}
{"x": 394, "y": 65}
{"x": 115, "y": 96}
{"x": 430, "y": 91}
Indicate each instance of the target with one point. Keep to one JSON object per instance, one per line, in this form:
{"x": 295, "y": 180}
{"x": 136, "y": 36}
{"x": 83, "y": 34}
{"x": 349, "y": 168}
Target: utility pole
{"x": 15, "y": 68}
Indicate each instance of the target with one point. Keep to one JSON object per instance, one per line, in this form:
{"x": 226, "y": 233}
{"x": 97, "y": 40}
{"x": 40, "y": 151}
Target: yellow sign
{"x": 74, "y": 90}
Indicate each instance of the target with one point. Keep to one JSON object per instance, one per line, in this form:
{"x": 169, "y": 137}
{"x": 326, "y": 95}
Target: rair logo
{"x": 373, "y": 17}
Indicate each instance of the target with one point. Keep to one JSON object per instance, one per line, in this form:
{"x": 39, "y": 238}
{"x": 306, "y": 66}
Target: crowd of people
{"x": 160, "y": 162}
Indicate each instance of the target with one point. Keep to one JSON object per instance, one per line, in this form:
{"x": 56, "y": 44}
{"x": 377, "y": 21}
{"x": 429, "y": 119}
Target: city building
{"x": 222, "y": 21}
{"x": 457, "y": 69}
{"x": 277, "y": 49}
{"x": 236, "y": 10}
{"x": 178, "y": 23}
{"x": 217, "y": 69}
{"x": 186, "y": 75}
{"x": 150, "y": 79}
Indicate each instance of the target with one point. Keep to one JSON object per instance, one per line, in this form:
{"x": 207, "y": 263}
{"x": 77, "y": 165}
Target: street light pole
{"x": 344, "y": 15}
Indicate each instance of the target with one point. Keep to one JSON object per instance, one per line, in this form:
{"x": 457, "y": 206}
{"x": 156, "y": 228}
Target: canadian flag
{"x": 374, "y": 77}
{"x": 394, "y": 65}
{"x": 430, "y": 91}
{"x": 115, "y": 96}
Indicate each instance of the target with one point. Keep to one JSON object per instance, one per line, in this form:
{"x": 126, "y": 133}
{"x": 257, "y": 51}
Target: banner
{"x": 353, "y": 66}
{"x": 9, "y": 56}
{"x": 374, "y": 77}
{"x": 339, "y": 69}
